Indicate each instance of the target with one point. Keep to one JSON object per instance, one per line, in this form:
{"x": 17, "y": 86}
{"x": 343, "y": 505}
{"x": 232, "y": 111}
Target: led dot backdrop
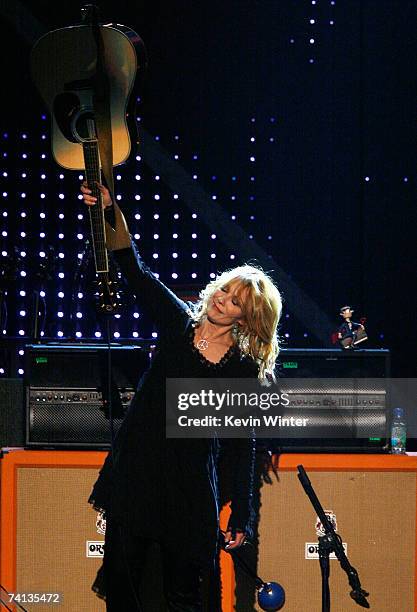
{"x": 296, "y": 120}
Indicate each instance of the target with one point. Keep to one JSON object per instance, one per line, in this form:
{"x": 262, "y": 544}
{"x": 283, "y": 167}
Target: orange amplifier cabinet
{"x": 49, "y": 540}
{"x": 48, "y": 535}
{"x": 373, "y": 498}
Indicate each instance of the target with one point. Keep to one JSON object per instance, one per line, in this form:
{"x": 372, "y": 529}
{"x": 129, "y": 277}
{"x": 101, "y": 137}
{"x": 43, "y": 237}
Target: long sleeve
{"x": 168, "y": 312}
{"x": 242, "y": 453}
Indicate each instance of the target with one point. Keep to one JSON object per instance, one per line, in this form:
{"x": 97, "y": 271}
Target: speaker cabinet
{"x": 48, "y": 529}
{"x": 374, "y": 501}
{"x": 49, "y": 539}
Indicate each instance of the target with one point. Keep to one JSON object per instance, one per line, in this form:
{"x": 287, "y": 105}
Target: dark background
{"x": 213, "y": 68}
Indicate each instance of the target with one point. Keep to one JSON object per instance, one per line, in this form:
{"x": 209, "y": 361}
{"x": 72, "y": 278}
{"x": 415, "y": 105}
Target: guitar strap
{"x": 101, "y": 103}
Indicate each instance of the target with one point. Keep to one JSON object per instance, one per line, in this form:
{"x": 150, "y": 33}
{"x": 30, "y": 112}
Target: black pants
{"x": 124, "y": 563}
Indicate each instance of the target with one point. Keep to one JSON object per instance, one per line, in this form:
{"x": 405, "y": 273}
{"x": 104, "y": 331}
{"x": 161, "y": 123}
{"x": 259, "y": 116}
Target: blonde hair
{"x": 258, "y": 335}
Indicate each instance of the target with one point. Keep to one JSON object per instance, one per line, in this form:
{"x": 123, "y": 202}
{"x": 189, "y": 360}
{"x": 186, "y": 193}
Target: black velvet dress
{"x": 168, "y": 487}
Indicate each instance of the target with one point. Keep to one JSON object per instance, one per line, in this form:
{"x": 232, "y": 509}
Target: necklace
{"x": 203, "y": 343}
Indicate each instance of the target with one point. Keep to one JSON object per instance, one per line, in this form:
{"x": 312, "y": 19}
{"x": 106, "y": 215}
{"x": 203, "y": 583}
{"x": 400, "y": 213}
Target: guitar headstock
{"x": 108, "y": 298}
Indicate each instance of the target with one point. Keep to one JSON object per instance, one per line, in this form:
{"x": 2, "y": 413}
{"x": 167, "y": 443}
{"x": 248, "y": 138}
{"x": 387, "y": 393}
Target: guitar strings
{"x": 97, "y": 221}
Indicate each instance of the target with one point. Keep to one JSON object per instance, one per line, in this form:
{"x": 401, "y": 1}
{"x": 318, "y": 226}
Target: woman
{"x": 165, "y": 490}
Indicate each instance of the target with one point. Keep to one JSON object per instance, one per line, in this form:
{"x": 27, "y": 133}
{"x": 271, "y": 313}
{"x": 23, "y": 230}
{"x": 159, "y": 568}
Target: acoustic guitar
{"x": 64, "y": 66}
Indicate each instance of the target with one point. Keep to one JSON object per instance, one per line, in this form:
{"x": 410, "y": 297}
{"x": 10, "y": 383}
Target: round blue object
{"x": 271, "y": 596}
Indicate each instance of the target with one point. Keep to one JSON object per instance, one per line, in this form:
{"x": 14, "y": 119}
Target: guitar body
{"x": 63, "y": 65}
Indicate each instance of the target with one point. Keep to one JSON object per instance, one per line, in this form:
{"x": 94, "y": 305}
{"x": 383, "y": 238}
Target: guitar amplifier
{"x": 358, "y": 415}
{"x": 68, "y": 388}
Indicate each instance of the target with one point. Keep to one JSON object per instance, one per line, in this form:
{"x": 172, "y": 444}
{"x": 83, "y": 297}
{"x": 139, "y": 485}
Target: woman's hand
{"x": 237, "y": 542}
{"x": 91, "y": 200}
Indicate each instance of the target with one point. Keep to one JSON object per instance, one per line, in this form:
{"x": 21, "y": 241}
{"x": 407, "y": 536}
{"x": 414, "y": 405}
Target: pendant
{"x": 202, "y": 344}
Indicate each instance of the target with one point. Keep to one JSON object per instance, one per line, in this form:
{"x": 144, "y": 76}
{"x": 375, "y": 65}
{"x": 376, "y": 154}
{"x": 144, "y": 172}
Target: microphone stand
{"x": 331, "y": 542}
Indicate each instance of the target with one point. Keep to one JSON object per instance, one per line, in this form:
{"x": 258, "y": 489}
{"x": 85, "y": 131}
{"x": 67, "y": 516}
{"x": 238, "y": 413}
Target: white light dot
{"x": 118, "y": 177}
{"x": 97, "y": 334}
{"x": 5, "y": 213}
{"x": 175, "y": 235}
{"x": 311, "y": 41}
{"x": 232, "y": 256}
{"x": 61, "y": 216}
{"x": 42, "y": 215}
{"x": 194, "y": 216}
{"x": 154, "y": 334}
{"x": 213, "y": 255}
{"x": 157, "y": 177}
{"x": 21, "y": 332}
{"x": 42, "y": 235}
{"x": 60, "y": 294}
{"x": 312, "y": 21}
{"x": 174, "y": 275}
{"x": 156, "y": 196}
{"x": 61, "y": 255}
{"x": 136, "y": 315}
{"x": 175, "y": 196}
{"x": 156, "y": 216}
{"x": 137, "y": 197}
{"x": 155, "y": 255}
{"x": 137, "y": 236}
{"x": 135, "y": 334}
{"x": 193, "y": 236}
{"x": 176, "y": 216}
{"x": 137, "y": 177}
{"x": 61, "y": 275}
{"x": 23, "y": 273}
{"x": 21, "y": 371}
{"x": 4, "y": 253}
{"x": 61, "y": 196}
{"x": 21, "y": 352}
{"x": 60, "y": 314}
{"x": 22, "y": 313}
{"x": 213, "y": 236}
{"x": 118, "y": 197}
{"x": 116, "y": 334}
{"x": 80, "y": 295}
{"x": 61, "y": 236}
{"x": 78, "y": 334}
{"x": 23, "y": 253}
{"x": 42, "y": 293}
{"x": 137, "y": 216}
{"x": 60, "y": 334}
{"x": 193, "y": 275}
{"x": 367, "y": 179}
{"x": 80, "y": 236}
{"x": 23, "y": 215}
{"x": 175, "y": 255}
{"x": 4, "y": 233}
{"x": 22, "y": 293}
{"x": 194, "y": 255}
{"x": 252, "y": 158}
{"x": 155, "y": 236}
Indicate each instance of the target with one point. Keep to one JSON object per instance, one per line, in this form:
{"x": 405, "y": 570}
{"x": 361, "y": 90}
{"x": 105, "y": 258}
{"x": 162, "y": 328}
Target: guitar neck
{"x": 97, "y": 222}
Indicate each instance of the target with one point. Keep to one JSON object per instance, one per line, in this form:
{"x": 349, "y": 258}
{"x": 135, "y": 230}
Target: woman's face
{"x": 226, "y": 305}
